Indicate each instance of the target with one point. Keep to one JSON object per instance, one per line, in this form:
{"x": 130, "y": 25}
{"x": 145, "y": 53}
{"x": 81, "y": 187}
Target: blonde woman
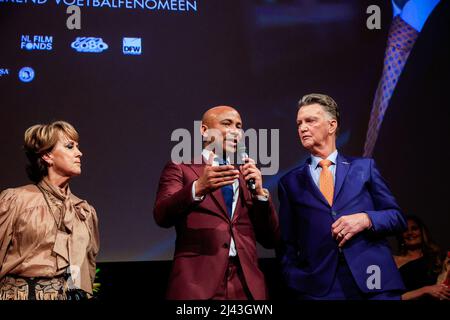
{"x": 48, "y": 236}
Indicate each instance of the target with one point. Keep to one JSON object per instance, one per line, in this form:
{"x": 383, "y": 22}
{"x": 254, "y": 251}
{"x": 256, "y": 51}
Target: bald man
{"x": 216, "y": 217}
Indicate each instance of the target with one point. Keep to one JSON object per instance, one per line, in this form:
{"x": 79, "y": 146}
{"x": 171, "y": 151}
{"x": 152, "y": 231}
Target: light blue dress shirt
{"x": 415, "y": 12}
{"x": 315, "y": 169}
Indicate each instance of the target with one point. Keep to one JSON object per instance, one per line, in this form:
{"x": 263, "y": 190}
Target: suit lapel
{"x": 217, "y": 196}
{"x": 342, "y": 167}
{"x": 243, "y": 196}
{"x": 197, "y": 168}
{"x": 305, "y": 174}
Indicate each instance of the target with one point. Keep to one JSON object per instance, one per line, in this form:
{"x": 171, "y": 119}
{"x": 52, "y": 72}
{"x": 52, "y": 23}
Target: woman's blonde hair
{"x": 41, "y": 139}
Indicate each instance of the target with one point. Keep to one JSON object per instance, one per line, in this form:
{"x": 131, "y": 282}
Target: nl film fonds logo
{"x": 132, "y": 46}
{"x": 28, "y": 42}
{"x": 89, "y": 44}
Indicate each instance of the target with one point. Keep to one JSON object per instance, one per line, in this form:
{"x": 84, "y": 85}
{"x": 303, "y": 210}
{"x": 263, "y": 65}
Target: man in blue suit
{"x": 335, "y": 213}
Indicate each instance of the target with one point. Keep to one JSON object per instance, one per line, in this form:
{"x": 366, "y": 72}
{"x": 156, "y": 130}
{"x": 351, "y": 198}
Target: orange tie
{"x": 326, "y": 184}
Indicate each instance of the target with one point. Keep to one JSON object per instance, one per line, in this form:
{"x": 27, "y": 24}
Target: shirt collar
{"x": 207, "y": 153}
{"x": 315, "y": 160}
{"x": 58, "y": 193}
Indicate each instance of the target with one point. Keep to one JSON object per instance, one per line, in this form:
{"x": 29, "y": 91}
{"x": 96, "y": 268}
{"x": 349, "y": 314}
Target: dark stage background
{"x": 259, "y": 56}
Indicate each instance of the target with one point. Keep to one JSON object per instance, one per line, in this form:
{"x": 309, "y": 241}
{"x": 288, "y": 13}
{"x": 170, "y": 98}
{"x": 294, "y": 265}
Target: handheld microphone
{"x": 242, "y": 155}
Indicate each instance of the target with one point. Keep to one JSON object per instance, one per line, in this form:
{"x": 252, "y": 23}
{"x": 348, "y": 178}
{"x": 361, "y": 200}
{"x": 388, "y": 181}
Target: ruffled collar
{"x": 63, "y": 197}
{"x": 66, "y": 249}
{"x": 59, "y": 193}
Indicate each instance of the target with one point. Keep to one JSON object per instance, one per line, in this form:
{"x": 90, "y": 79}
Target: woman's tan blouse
{"x": 32, "y": 245}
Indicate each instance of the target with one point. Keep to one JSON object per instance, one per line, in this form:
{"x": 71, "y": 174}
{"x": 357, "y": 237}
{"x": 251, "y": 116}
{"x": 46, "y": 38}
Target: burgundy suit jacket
{"x": 204, "y": 233}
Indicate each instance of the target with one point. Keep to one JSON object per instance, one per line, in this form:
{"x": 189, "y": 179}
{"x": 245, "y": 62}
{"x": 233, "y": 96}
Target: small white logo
{"x": 4, "y": 72}
{"x": 374, "y": 280}
{"x": 74, "y": 280}
{"x": 28, "y": 42}
{"x": 132, "y": 46}
{"x": 26, "y": 74}
{"x": 89, "y": 44}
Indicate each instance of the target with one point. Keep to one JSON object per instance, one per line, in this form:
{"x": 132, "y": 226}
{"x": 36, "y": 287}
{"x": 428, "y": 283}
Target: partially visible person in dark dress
{"x": 420, "y": 263}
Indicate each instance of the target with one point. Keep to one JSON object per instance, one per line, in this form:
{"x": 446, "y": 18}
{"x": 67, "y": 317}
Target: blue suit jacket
{"x": 309, "y": 253}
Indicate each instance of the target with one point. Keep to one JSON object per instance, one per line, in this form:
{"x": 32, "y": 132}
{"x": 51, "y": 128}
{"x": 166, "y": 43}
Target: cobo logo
{"x": 89, "y": 44}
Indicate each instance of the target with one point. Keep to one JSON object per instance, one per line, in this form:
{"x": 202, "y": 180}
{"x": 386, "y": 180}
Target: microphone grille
{"x": 241, "y": 149}
{"x": 241, "y": 154}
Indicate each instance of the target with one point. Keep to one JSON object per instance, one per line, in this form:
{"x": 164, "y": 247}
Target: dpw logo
{"x": 132, "y": 46}
{"x": 36, "y": 42}
{"x": 4, "y": 72}
{"x": 89, "y": 44}
{"x": 26, "y": 74}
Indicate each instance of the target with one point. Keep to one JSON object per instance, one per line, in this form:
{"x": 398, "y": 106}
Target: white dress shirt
{"x": 206, "y": 155}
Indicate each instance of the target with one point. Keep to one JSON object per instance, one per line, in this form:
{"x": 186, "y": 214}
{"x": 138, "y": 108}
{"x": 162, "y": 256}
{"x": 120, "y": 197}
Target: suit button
{"x": 333, "y": 213}
{"x": 226, "y": 245}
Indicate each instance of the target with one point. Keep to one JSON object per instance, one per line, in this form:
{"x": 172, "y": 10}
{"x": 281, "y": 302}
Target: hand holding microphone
{"x": 250, "y": 172}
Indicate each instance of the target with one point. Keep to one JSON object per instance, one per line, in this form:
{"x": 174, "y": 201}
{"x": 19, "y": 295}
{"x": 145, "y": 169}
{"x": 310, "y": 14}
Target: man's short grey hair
{"x": 328, "y": 104}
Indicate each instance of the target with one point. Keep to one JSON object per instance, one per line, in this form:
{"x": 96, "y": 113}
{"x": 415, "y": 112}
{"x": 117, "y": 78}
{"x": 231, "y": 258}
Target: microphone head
{"x": 241, "y": 153}
{"x": 241, "y": 149}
